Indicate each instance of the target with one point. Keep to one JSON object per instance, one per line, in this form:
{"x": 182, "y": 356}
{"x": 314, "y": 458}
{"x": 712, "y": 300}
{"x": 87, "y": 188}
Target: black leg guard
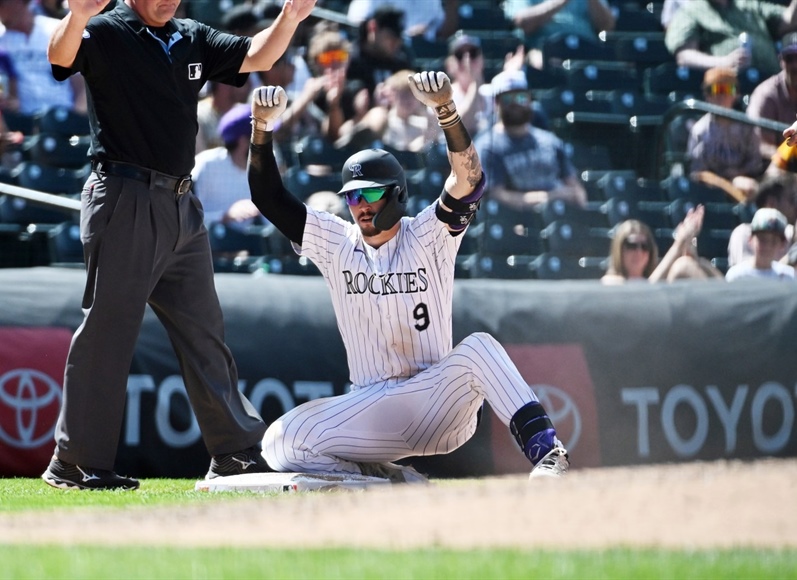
{"x": 533, "y": 431}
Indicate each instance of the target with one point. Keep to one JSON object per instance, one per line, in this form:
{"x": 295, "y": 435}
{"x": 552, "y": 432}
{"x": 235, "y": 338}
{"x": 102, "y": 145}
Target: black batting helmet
{"x": 375, "y": 168}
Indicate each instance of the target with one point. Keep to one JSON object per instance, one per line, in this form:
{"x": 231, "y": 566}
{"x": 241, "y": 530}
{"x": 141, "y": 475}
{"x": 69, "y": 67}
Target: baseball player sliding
{"x": 391, "y": 279}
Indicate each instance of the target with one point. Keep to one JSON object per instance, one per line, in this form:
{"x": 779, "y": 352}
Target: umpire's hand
{"x": 268, "y": 104}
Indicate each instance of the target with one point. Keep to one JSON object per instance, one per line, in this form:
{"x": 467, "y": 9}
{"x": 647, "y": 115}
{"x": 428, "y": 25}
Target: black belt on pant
{"x": 178, "y": 185}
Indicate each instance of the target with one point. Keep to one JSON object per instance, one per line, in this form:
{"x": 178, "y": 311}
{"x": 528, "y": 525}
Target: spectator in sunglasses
{"x": 634, "y": 254}
{"x": 465, "y": 67}
{"x": 527, "y": 165}
{"x": 776, "y": 97}
{"x": 723, "y": 147}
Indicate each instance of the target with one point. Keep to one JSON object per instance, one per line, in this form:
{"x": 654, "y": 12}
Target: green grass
{"x": 24, "y": 562}
{"x": 33, "y": 494}
{"x": 21, "y": 563}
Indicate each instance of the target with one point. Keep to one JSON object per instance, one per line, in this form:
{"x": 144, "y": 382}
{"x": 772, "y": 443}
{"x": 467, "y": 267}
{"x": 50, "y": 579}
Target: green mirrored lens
{"x": 372, "y": 194}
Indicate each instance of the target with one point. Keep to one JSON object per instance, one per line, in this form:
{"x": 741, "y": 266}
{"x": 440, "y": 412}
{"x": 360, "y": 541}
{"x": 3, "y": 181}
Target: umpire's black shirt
{"x": 142, "y": 102}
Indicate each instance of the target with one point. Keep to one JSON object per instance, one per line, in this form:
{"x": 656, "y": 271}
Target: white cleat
{"x": 554, "y": 464}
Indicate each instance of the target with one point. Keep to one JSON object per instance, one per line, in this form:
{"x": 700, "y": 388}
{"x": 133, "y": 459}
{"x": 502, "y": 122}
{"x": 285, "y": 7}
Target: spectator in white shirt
{"x": 768, "y": 240}
{"x": 219, "y": 173}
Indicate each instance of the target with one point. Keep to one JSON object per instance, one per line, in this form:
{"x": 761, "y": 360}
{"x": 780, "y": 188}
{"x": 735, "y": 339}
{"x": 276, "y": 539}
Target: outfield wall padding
{"x": 631, "y": 374}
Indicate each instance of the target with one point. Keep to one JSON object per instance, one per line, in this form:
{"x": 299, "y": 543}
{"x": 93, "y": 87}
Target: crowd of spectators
{"x": 346, "y": 81}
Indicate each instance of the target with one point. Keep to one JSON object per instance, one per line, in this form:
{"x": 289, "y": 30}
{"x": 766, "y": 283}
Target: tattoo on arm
{"x": 469, "y": 160}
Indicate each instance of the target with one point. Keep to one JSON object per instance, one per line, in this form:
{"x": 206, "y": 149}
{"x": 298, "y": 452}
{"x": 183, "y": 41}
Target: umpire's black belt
{"x": 178, "y": 185}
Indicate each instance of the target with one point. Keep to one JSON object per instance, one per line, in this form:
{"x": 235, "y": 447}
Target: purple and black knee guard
{"x": 533, "y": 431}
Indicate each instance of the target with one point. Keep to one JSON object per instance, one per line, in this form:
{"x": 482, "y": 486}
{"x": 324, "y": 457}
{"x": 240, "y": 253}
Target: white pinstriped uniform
{"x": 411, "y": 393}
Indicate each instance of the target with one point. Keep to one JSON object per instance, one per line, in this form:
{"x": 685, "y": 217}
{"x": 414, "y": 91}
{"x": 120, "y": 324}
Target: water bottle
{"x": 745, "y": 44}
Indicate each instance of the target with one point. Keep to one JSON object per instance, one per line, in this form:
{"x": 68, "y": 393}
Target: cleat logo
{"x": 87, "y": 476}
{"x": 244, "y": 464}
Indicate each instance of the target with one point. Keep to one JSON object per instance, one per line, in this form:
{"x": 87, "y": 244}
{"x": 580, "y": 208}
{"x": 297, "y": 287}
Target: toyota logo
{"x": 563, "y": 412}
{"x": 29, "y": 404}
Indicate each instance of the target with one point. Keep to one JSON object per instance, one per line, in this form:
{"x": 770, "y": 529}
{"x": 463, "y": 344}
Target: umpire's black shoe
{"x": 70, "y": 476}
{"x": 245, "y": 461}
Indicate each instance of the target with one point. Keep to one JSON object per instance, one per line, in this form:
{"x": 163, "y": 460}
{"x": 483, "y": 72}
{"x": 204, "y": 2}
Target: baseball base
{"x": 291, "y": 482}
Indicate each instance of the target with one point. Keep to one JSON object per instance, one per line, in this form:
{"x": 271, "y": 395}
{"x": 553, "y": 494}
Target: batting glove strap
{"x": 447, "y": 115}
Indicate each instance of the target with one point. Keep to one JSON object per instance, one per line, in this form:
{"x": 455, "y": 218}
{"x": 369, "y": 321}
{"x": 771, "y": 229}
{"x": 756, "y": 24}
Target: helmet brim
{"x": 360, "y": 183}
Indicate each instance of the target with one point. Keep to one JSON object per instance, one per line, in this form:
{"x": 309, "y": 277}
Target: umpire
{"x": 141, "y": 227}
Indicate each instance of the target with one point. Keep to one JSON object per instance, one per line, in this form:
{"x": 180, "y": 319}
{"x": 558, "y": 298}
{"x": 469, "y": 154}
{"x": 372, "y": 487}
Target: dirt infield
{"x": 687, "y": 506}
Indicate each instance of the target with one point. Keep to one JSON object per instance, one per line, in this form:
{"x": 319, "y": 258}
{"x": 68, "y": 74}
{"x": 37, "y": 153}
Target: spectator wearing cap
{"x": 527, "y": 165}
{"x": 768, "y": 240}
{"x": 379, "y": 50}
{"x": 780, "y": 193}
{"x": 705, "y": 34}
{"x": 219, "y": 174}
{"x": 465, "y": 68}
{"x": 776, "y": 97}
{"x": 541, "y": 19}
{"x": 721, "y": 146}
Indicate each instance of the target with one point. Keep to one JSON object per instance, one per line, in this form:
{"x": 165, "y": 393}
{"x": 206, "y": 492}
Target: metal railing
{"x": 689, "y": 106}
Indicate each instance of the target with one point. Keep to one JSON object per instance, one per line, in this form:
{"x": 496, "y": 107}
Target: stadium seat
{"x": 633, "y": 17}
{"x": 624, "y": 207}
{"x": 58, "y": 150}
{"x": 637, "y": 103}
{"x": 303, "y": 184}
{"x": 574, "y": 239}
{"x": 718, "y": 215}
{"x": 481, "y": 17}
{"x": 502, "y": 267}
{"x": 552, "y": 266}
{"x": 63, "y": 121}
{"x": 556, "y": 209}
{"x": 583, "y": 76}
{"x": 411, "y": 161}
{"x": 16, "y": 121}
{"x": 670, "y": 78}
{"x": 558, "y": 48}
{"x": 559, "y": 101}
{"x": 677, "y": 187}
{"x": 625, "y": 183}
{"x": 713, "y": 243}
{"x": 643, "y": 50}
{"x": 65, "y": 246}
{"x": 252, "y": 240}
{"x": 15, "y": 210}
{"x": 52, "y": 179}
{"x": 504, "y": 231}
{"x": 320, "y": 152}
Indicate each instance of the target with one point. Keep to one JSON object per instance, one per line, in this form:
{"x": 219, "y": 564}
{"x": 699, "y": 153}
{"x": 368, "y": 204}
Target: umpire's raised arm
{"x": 465, "y": 184}
{"x": 268, "y": 192}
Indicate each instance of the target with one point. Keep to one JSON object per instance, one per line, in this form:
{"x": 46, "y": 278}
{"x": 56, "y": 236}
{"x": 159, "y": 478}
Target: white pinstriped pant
{"x": 431, "y": 413}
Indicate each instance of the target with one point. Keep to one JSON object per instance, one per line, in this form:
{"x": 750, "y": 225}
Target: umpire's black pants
{"x": 143, "y": 246}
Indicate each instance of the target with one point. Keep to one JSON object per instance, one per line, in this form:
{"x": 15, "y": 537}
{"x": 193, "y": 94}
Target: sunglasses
{"x": 644, "y": 246}
{"x": 369, "y": 194}
{"x": 515, "y": 98}
{"x": 721, "y": 89}
{"x": 471, "y": 51}
{"x": 332, "y": 57}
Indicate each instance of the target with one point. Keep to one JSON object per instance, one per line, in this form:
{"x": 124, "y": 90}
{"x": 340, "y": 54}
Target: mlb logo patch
{"x": 195, "y": 71}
